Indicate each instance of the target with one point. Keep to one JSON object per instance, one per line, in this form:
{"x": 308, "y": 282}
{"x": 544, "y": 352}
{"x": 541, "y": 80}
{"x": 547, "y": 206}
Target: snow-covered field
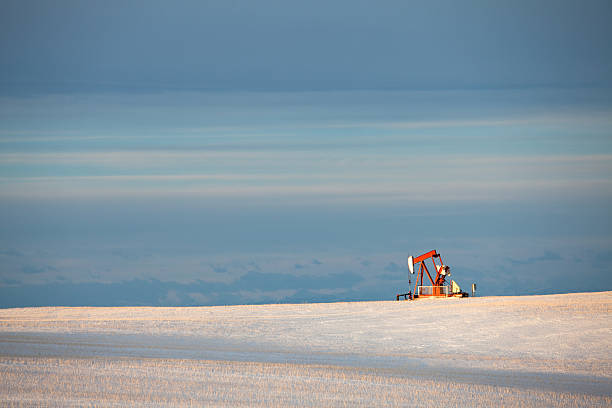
{"x": 543, "y": 351}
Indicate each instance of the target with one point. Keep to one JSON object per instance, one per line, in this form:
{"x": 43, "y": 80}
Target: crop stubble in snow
{"x": 500, "y": 351}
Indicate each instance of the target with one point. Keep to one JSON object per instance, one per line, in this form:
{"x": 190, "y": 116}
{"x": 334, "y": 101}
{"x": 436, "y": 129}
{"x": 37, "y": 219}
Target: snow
{"x": 553, "y": 350}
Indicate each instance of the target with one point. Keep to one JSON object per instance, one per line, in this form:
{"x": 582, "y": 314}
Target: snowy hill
{"x": 553, "y": 350}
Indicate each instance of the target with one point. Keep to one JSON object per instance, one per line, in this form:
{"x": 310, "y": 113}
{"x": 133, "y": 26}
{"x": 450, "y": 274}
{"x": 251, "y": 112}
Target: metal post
{"x": 410, "y": 283}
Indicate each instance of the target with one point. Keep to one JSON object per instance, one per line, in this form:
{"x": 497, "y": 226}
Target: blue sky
{"x": 232, "y": 152}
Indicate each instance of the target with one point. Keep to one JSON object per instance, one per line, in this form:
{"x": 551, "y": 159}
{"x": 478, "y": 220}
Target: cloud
{"x": 277, "y": 281}
{"x": 603, "y": 258}
{"x": 260, "y": 296}
{"x": 12, "y": 253}
{"x": 127, "y": 256}
{"x": 469, "y": 188}
{"x": 218, "y": 268}
{"x": 265, "y": 288}
{"x": 393, "y": 267}
{"x": 547, "y": 256}
{"x": 199, "y": 297}
{"x": 31, "y": 270}
{"x": 453, "y": 123}
{"x": 8, "y": 281}
{"x": 171, "y": 298}
{"x": 396, "y": 272}
{"x": 34, "y": 270}
{"x": 391, "y": 277}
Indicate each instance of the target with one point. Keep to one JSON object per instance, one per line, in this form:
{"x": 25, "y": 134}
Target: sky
{"x": 228, "y": 152}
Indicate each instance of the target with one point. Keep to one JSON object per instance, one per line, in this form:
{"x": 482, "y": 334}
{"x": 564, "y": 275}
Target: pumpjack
{"x": 439, "y": 287}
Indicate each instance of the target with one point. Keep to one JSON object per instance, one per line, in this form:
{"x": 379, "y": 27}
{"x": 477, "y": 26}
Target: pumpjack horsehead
{"x": 439, "y": 286}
